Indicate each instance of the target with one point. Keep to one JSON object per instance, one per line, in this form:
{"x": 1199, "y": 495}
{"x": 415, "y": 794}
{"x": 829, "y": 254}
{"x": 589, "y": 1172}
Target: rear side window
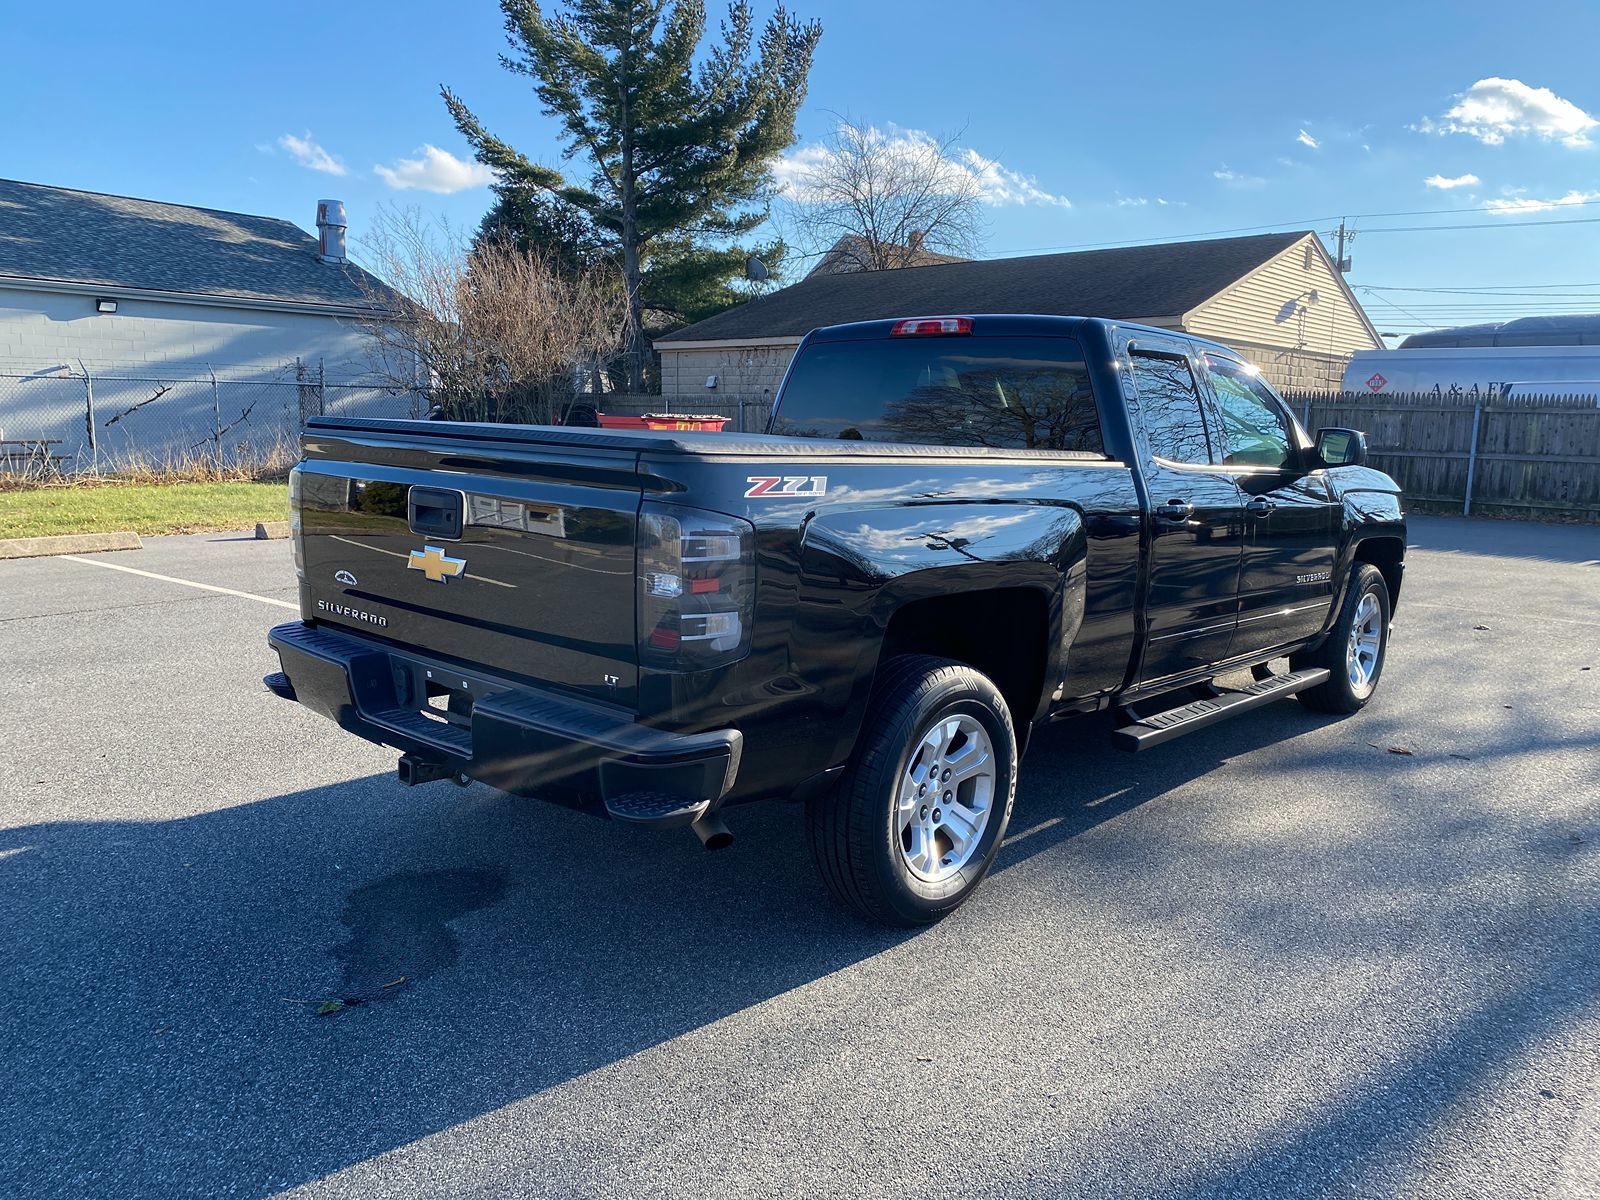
{"x": 1003, "y": 392}
{"x": 1169, "y": 408}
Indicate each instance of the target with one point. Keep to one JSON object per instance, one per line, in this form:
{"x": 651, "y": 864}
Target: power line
{"x": 1482, "y": 225}
{"x": 1398, "y": 309}
{"x": 1504, "y": 305}
{"x": 1294, "y": 226}
{"x": 1487, "y": 289}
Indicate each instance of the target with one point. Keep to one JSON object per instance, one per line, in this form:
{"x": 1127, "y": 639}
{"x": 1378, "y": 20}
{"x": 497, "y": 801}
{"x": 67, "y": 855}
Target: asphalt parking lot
{"x": 1276, "y": 958}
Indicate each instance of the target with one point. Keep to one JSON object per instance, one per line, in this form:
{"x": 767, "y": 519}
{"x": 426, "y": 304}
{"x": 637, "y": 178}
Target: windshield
{"x": 1003, "y": 392}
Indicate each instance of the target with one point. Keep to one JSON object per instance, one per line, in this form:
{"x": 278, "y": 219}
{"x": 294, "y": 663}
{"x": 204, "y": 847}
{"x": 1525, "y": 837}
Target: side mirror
{"x": 1341, "y": 447}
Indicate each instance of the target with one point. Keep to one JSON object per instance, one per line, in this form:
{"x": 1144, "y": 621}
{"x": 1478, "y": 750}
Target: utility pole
{"x": 1340, "y": 261}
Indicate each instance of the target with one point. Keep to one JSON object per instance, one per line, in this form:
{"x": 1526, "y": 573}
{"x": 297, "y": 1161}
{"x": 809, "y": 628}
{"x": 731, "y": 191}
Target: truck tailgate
{"x": 518, "y": 561}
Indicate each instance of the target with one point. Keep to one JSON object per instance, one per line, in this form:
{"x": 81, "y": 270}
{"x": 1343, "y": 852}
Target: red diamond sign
{"x": 1376, "y": 383}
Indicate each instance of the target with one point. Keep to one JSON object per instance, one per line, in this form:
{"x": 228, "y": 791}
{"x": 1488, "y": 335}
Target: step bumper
{"x": 520, "y": 739}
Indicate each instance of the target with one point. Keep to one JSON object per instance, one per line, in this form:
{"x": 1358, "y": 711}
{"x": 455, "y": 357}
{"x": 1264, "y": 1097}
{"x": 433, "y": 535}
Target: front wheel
{"x": 918, "y": 818}
{"x": 1355, "y": 648}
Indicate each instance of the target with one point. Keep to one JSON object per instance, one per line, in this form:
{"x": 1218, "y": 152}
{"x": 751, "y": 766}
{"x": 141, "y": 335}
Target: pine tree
{"x": 538, "y": 222}
{"x": 678, "y": 143}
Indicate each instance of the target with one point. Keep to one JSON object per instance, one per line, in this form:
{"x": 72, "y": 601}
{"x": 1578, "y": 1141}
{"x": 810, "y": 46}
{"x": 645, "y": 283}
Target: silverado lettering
{"x": 355, "y": 614}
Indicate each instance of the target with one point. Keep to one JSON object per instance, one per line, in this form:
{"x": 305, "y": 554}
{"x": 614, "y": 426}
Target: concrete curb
{"x": 69, "y": 543}
{"x": 266, "y": 530}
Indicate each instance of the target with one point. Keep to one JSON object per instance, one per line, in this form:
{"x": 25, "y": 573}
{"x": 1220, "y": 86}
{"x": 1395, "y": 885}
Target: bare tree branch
{"x": 866, "y": 201}
{"x": 161, "y": 390}
{"x": 493, "y": 333}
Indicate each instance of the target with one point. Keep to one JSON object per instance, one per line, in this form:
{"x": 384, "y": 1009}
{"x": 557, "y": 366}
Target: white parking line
{"x": 206, "y": 587}
{"x": 1521, "y": 616}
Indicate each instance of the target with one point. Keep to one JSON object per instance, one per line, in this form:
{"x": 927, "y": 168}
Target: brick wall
{"x": 743, "y": 372}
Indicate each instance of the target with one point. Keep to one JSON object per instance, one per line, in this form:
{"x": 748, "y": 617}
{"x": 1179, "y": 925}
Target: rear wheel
{"x": 916, "y": 822}
{"x": 1355, "y": 649}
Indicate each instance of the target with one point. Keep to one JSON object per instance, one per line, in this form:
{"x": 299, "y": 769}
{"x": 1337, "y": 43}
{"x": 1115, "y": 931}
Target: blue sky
{"x": 1234, "y": 115}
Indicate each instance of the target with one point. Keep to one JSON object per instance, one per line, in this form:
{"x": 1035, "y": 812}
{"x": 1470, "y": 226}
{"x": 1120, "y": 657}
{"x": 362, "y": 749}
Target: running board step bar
{"x": 1175, "y": 722}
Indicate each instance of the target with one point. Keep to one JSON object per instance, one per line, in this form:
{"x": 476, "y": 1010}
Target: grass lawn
{"x": 143, "y": 508}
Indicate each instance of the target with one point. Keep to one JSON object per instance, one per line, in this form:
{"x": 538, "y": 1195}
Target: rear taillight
{"x": 696, "y": 588}
{"x": 930, "y": 326}
{"x": 297, "y": 544}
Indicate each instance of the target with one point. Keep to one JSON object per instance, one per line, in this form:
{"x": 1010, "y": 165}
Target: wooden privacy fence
{"x": 1531, "y": 456}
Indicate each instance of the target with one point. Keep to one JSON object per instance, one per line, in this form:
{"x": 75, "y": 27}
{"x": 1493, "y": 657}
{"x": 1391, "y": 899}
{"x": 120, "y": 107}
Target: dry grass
{"x": 268, "y": 465}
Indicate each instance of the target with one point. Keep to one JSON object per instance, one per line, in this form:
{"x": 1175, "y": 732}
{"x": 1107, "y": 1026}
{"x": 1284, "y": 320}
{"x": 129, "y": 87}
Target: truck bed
{"x": 701, "y": 445}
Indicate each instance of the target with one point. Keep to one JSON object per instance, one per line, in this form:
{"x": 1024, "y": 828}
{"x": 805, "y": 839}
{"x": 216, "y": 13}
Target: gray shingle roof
{"x": 67, "y": 236}
{"x": 1128, "y": 283}
{"x": 849, "y": 252}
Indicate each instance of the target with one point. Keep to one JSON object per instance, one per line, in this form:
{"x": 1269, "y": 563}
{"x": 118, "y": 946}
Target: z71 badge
{"x": 786, "y": 485}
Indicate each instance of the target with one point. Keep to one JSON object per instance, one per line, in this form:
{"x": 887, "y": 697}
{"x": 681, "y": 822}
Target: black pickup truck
{"x": 956, "y": 529}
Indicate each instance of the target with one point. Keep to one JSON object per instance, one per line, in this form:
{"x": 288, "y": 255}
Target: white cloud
{"x": 999, "y": 185}
{"x": 1517, "y": 205}
{"x": 1458, "y": 181}
{"x": 1494, "y": 109}
{"x": 1142, "y": 201}
{"x": 435, "y": 170}
{"x": 313, "y": 157}
{"x": 1305, "y": 139}
{"x": 996, "y": 184}
{"x": 1237, "y": 179}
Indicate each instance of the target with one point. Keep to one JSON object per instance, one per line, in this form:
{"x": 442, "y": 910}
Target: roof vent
{"x": 330, "y": 231}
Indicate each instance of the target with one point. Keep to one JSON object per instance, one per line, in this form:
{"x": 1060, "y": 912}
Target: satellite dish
{"x": 755, "y": 270}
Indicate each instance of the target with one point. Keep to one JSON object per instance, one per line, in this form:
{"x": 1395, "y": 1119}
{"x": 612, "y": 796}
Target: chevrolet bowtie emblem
{"x": 436, "y": 564}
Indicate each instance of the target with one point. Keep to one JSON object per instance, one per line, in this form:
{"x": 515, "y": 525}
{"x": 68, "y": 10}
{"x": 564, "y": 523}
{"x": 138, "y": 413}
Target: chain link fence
{"x": 75, "y": 422}
{"x": 78, "y": 422}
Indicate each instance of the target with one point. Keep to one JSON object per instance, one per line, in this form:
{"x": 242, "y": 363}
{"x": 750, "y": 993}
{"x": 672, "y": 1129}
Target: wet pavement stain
{"x": 399, "y": 927}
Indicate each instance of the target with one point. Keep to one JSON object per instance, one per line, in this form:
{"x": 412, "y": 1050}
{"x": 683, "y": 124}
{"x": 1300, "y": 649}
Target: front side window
{"x": 1255, "y": 429}
{"x": 1169, "y": 408}
{"x": 1004, "y": 392}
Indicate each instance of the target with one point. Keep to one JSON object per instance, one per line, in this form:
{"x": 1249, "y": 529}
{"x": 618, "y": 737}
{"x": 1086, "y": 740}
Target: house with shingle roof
{"x": 141, "y": 330}
{"x": 127, "y": 286}
{"x": 1277, "y": 298}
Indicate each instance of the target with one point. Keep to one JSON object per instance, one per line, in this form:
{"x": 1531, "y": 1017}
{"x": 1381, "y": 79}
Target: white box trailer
{"x": 1469, "y": 371}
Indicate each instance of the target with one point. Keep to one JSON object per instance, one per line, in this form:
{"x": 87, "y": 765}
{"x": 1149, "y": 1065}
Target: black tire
{"x": 854, "y": 831}
{"x": 1342, "y": 694}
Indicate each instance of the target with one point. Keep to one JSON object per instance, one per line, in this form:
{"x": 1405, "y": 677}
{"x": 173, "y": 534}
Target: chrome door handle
{"x": 1260, "y": 507}
{"x": 1175, "y": 510}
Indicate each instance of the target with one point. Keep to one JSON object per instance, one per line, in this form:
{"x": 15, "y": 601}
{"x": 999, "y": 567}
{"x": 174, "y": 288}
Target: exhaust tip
{"x": 713, "y": 834}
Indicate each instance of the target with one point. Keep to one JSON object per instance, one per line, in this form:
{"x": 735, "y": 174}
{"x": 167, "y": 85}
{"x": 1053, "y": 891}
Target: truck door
{"x": 1196, "y": 526}
{"x": 1291, "y": 516}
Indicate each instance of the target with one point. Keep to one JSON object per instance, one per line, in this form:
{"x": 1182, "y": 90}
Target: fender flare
{"x": 895, "y": 557}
